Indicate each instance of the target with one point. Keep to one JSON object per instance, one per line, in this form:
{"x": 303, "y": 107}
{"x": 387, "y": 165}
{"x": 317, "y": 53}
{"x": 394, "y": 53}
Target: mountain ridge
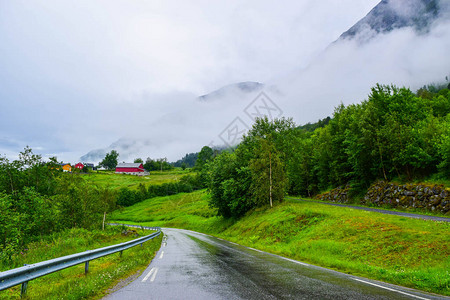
{"x": 245, "y": 87}
{"x": 389, "y": 15}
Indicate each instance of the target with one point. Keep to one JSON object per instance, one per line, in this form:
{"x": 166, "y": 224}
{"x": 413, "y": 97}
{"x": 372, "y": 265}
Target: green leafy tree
{"x": 188, "y": 159}
{"x": 241, "y": 180}
{"x": 443, "y": 144}
{"x": 110, "y": 160}
{"x": 229, "y": 186}
{"x": 138, "y": 161}
{"x": 150, "y": 165}
{"x": 205, "y": 155}
{"x": 299, "y": 167}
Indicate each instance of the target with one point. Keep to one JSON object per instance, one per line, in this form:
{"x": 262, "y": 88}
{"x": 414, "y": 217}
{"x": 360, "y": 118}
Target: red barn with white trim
{"x": 131, "y": 169}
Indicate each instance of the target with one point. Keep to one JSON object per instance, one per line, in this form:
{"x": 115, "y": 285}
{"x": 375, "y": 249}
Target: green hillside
{"x": 115, "y": 181}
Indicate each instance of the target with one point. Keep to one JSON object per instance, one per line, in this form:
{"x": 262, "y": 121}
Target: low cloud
{"x": 347, "y": 70}
{"x": 137, "y": 90}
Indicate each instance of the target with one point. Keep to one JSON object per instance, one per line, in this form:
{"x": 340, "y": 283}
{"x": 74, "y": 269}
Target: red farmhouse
{"x": 79, "y": 166}
{"x": 132, "y": 169}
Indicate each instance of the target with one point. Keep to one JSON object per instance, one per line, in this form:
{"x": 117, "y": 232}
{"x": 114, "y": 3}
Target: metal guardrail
{"x": 26, "y": 273}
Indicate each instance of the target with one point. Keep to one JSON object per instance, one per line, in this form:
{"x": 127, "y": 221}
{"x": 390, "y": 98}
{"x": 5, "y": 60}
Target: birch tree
{"x": 268, "y": 175}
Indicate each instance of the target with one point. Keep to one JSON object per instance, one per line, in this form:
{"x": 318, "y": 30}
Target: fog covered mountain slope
{"x": 389, "y": 15}
{"x": 398, "y": 42}
{"x": 233, "y": 89}
{"x": 128, "y": 149}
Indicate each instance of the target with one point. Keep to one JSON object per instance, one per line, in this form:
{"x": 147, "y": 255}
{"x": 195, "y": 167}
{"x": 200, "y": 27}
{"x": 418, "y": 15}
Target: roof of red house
{"x": 130, "y": 165}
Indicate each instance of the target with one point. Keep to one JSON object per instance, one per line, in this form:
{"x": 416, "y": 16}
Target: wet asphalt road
{"x": 192, "y": 265}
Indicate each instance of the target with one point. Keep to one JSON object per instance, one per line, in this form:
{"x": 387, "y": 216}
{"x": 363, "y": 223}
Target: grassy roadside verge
{"x": 72, "y": 283}
{"x": 417, "y": 211}
{"x": 404, "y": 251}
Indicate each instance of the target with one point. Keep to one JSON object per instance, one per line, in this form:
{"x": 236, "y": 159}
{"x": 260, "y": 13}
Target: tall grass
{"x": 72, "y": 283}
{"x": 409, "y": 252}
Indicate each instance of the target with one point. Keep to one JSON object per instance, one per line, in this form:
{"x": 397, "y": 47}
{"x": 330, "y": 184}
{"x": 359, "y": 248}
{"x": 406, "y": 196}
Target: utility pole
{"x": 162, "y": 160}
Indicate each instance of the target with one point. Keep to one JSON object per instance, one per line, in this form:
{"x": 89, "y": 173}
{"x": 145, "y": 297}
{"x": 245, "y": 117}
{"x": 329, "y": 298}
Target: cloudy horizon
{"x": 77, "y": 76}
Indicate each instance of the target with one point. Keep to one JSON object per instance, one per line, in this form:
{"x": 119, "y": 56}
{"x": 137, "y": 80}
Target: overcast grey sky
{"x": 81, "y": 75}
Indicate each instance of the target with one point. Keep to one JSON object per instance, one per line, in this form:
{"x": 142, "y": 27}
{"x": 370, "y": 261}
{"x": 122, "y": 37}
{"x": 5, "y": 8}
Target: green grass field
{"x": 116, "y": 181}
{"x": 399, "y": 250}
{"x": 72, "y": 283}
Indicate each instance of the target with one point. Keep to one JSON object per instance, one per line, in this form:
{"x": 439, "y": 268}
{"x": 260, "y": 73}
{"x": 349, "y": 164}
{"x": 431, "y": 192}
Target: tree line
{"x": 394, "y": 134}
{"x": 186, "y": 184}
{"x": 37, "y": 198}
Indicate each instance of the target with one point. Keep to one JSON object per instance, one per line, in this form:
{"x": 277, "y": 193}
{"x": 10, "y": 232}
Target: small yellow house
{"x": 67, "y": 168}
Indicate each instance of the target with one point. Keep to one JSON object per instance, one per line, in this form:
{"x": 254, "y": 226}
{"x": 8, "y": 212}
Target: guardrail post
{"x": 23, "y": 289}
{"x": 121, "y": 253}
{"x": 86, "y": 267}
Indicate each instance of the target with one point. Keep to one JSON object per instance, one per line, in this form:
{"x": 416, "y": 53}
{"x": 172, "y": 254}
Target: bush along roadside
{"x": 433, "y": 198}
{"x": 187, "y": 184}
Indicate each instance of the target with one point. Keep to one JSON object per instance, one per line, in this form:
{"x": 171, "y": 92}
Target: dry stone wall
{"x": 339, "y": 194}
{"x": 434, "y": 198}
{"x": 422, "y": 196}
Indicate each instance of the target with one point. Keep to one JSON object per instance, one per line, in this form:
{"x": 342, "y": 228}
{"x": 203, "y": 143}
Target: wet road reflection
{"x": 196, "y": 266}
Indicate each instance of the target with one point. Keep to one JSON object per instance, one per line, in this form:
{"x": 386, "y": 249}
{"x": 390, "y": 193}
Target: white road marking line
{"x": 255, "y": 249}
{"x": 148, "y": 275}
{"x": 234, "y": 243}
{"x": 154, "y": 275}
{"x": 162, "y": 254}
{"x": 389, "y": 289}
{"x": 294, "y": 261}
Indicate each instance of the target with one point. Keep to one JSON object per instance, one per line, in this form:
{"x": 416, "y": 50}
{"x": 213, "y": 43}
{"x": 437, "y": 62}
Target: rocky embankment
{"x": 435, "y": 198}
